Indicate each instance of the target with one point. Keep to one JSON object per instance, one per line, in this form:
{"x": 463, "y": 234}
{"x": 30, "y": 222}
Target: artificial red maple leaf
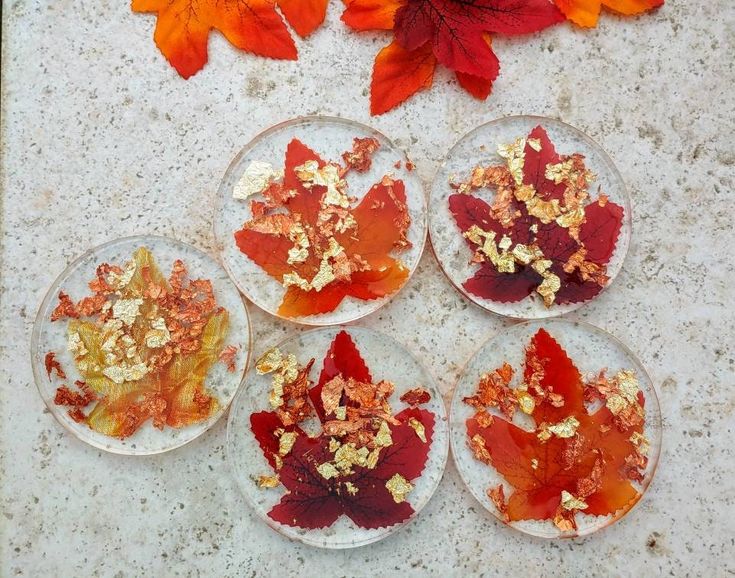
{"x": 314, "y": 501}
{"x": 598, "y": 234}
{"x": 586, "y": 12}
{"x": 183, "y": 27}
{"x": 452, "y": 32}
{"x": 588, "y": 465}
{"x": 380, "y": 224}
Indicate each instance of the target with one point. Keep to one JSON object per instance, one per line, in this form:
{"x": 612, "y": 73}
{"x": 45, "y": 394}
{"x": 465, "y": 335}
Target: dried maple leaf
{"x": 451, "y": 32}
{"x": 572, "y": 460}
{"x": 586, "y": 12}
{"x": 327, "y": 476}
{"x": 183, "y": 27}
{"x": 322, "y": 249}
{"x": 576, "y": 252}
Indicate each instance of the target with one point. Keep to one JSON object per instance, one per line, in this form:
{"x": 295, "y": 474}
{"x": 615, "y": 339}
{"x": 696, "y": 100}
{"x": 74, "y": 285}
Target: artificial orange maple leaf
{"x": 453, "y": 33}
{"x": 183, "y": 27}
{"x": 586, "y": 12}
{"x": 587, "y": 461}
{"x": 320, "y": 251}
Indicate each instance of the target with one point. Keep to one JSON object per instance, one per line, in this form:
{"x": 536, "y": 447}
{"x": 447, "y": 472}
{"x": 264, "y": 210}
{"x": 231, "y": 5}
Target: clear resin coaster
{"x": 530, "y": 218}
{"x": 338, "y": 438}
{"x": 320, "y": 220}
{"x": 140, "y": 345}
{"x": 555, "y": 428}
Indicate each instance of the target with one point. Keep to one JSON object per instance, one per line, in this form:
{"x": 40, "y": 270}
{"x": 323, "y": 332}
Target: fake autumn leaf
{"x": 453, "y": 33}
{"x": 542, "y": 233}
{"x": 457, "y": 34}
{"x": 255, "y": 26}
{"x": 586, "y": 12}
{"x": 571, "y": 460}
{"x": 143, "y": 345}
{"x": 310, "y": 237}
{"x": 362, "y": 463}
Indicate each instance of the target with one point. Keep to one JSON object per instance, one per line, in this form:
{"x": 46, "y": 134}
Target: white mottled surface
{"x": 100, "y": 138}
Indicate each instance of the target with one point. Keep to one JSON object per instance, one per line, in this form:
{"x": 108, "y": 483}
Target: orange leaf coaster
{"x": 183, "y": 27}
{"x": 457, "y": 35}
{"x": 328, "y": 234}
{"x": 551, "y": 449}
{"x": 136, "y": 346}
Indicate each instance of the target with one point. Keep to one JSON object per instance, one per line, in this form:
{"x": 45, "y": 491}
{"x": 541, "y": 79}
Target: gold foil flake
{"x": 559, "y": 172}
{"x": 525, "y": 401}
{"x": 327, "y": 471}
{"x": 544, "y": 211}
{"x": 328, "y": 176}
{"x": 534, "y": 143}
{"x": 523, "y": 254}
{"x": 279, "y": 461}
{"x": 118, "y": 281}
{"x": 158, "y": 335}
{"x": 479, "y": 449}
{"x": 399, "y": 487}
{"x": 348, "y": 455}
{"x": 628, "y": 385}
{"x": 255, "y": 180}
{"x": 505, "y": 243}
{"x": 569, "y": 502}
{"x": 524, "y": 193}
{"x": 475, "y": 234}
{"x": 548, "y": 288}
{"x": 275, "y": 399}
{"x": 286, "y": 442}
{"x": 300, "y": 251}
{"x": 270, "y": 361}
{"x": 571, "y": 219}
{"x": 268, "y": 481}
{"x": 295, "y": 279}
{"x": 124, "y": 372}
{"x": 334, "y": 445}
{"x": 351, "y": 488}
{"x": 324, "y": 276}
{"x": 383, "y": 438}
{"x": 534, "y": 463}
{"x": 641, "y": 442}
{"x": 566, "y": 428}
{"x": 372, "y": 459}
{"x": 341, "y": 413}
{"x": 543, "y": 432}
{"x": 533, "y": 228}
{"x": 514, "y": 156}
{"x": 126, "y": 310}
{"x": 419, "y": 428}
{"x": 75, "y": 345}
{"x": 331, "y": 394}
{"x": 564, "y": 522}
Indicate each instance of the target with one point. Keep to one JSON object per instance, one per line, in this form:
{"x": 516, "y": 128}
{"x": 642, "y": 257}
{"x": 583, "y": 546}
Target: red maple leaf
{"x": 589, "y": 465}
{"x": 454, "y": 33}
{"x": 368, "y": 271}
{"x": 598, "y": 234}
{"x": 313, "y": 501}
{"x": 183, "y": 27}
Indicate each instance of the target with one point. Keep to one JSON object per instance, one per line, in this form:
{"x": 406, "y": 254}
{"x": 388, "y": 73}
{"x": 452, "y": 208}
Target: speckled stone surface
{"x": 101, "y": 138}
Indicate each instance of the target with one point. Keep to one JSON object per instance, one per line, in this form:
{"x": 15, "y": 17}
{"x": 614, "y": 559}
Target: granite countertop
{"x": 101, "y": 138}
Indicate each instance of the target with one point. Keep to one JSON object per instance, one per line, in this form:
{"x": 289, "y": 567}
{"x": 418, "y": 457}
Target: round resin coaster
{"x": 530, "y": 218}
{"x": 555, "y": 428}
{"x": 140, "y": 345}
{"x": 338, "y": 438}
{"x": 320, "y": 220}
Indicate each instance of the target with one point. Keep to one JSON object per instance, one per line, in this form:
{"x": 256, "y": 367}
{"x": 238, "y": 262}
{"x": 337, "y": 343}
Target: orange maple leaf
{"x": 590, "y": 464}
{"x": 586, "y": 12}
{"x": 183, "y": 27}
{"x": 354, "y": 251}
